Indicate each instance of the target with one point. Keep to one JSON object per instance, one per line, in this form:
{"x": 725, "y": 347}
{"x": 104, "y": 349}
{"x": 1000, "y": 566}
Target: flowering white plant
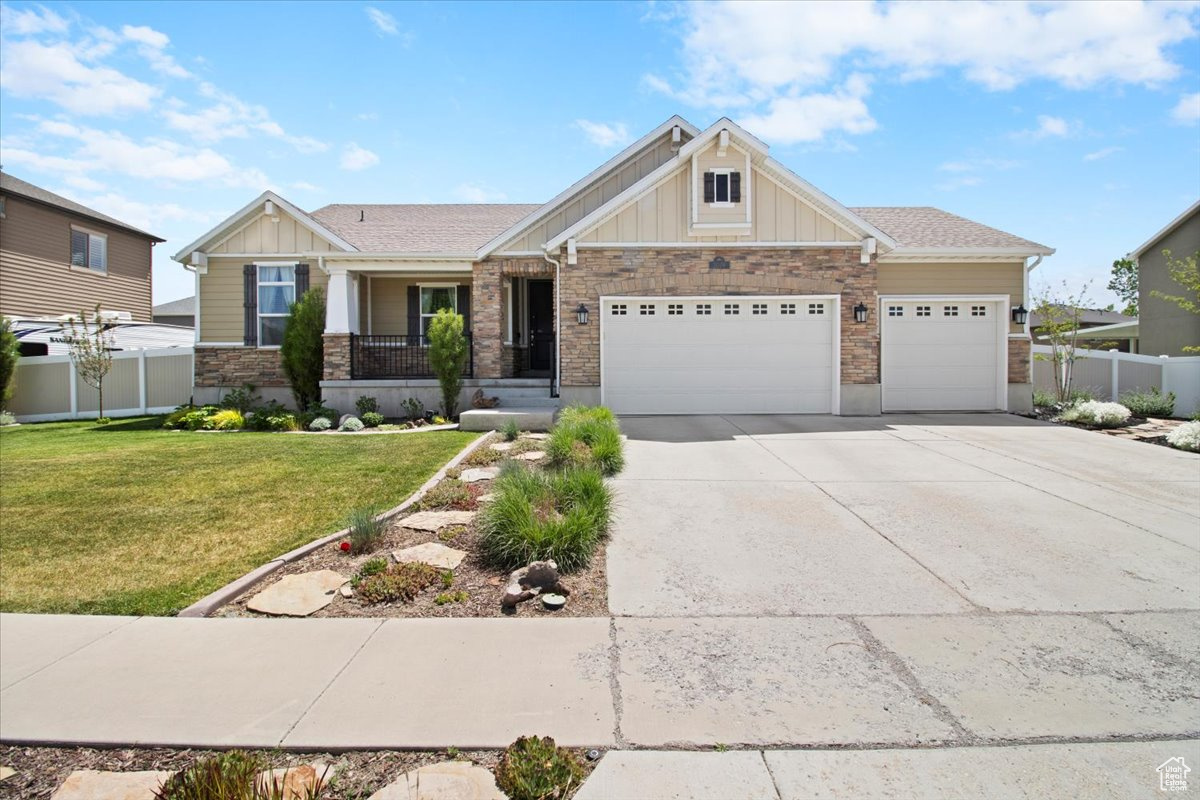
{"x": 352, "y": 424}
{"x": 1186, "y": 436}
{"x": 1094, "y": 412}
{"x": 320, "y": 424}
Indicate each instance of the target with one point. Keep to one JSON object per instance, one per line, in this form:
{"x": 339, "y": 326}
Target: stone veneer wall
{"x": 234, "y": 366}
{"x": 1018, "y": 361}
{"x": 487, "y": 295}
{"x": 337, "y": 357}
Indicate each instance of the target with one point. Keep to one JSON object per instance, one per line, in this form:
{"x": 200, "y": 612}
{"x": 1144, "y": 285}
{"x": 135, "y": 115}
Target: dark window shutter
{"x": 301, "y": 280}
{"x": 414, "y": 311}
{"x": 464, "y": 307}
{"x": 735, "y": 187}
{"x": 250, "y": 305}
{"x": 710, "y": 187}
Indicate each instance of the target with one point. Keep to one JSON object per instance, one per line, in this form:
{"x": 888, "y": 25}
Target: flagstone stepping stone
{"x": 503, "y": 447}
{"x": 532, "y": 455}
{"x": 436, "y": 520}
{"x": 297, "y": 595}
{"x": 537, "y": 437}
{"x": 477, "y": 474}
{"x": 91, "y": 784}
{"x": 298, "y": 782}
{"x": 6, "y": 773}
{"x": 431, "y": 553}
{"x": 485, "y": 498}
{"x": 450, "y": 780}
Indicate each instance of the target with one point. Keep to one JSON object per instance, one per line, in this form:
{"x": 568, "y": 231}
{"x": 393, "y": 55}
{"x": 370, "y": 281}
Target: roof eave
{"x": 1170, "y": 226}
{"x": 967, "y": 253}
{"x": 94, "y": 217}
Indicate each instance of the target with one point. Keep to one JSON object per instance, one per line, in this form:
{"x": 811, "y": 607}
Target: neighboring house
{"x": 691, "y": 273}
{"x": 180, "y": 312}
{"x": 1111, "y": 329}
{"x": 1164, "y": 328}
{"x": 59, "y": 257}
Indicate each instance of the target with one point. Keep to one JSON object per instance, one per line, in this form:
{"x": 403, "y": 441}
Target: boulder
{"x": 295, "y": 783}
{"x": 542, "y": 574}
{"x": 297, "y": 595}
{"x": 479, "y": 400}
{"x": 91, "y": 784}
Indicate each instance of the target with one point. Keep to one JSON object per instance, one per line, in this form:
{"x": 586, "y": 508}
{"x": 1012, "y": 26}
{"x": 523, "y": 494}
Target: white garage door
{"x": 718, "y": 355}
{"x": 942, "y": 355}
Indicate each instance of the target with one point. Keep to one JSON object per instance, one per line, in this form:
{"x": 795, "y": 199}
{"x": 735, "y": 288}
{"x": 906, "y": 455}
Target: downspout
{"x": 1028, "y": 301}
{"x": 557, "y": 380}
{"x": 196, "y": 309}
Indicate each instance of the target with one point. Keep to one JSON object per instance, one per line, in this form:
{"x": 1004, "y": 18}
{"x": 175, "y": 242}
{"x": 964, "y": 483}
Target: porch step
{"x": 528, "y": 418}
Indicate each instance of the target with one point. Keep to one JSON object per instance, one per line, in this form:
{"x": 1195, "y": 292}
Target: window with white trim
{"x": 787, "y": 309}
{"x": 276, "y": 293}
{"x": 732, "y": 309}
{"x": 89, "y": 250}
{"x": 978, "y": 311}
{"x": 646, "y": 309}
{"x": 704, "y": 309}
{"x": 816, "y": 309}
{"x": 619, "y": 310}
{"x": 758, "y": 309}
{"x": 675, "y": 309}
{"x": 895, "y": 311}
{"x": 434, "y": 298}
{"x": 949, "y": 311}
{"x": 924, "y": 311}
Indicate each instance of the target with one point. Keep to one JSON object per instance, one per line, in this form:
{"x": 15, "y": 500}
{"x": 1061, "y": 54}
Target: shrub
{"x": 1101, "y": 415}
{"x": 198, "y": 418}
{"x": 372, "y": 419}
{"x": 373, "y": 566}
{"x": 483, "y": 457}
{"x": 227, "y": 419}
{"x": 302, "y": 354}
{"x": 593, "y": 428}
{"x": 439, "y": 420}
{"x": 451, "y": 597}
{"x": 7, "y": 419}
{"x": 1149, "y": 404}
{"x": 365, "y": 530}
{"x": 448, "y": 354}
{"x": 225, "y": 775}
{"x": 1043, "y": 398}
{"x": 451, "y": 494}
{"x": 10, "y": 351}
{"x": 366, "y": 405}
{"x": 398, "y": 582}
{"x": 175, "y": 418}
{"x": 1186, "y": 436}
{"x": 537, "y": 515}
{"x": 534, "y": 768}
{"x": 318, "y": 409}
{"x": 576, "y": 413}
{"x": 510, "y": 430}
{"x": 352, "y": 425}
{"x": 1081, "y": 394}
{"x": 413, "y": 408}
{"x": 260, "y": 417}
{"x": 242, "y": 399}
{"x": 320, "y": 424}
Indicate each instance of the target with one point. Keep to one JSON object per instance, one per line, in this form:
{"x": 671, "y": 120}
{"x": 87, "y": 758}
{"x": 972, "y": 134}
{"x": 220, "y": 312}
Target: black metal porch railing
{"x": 396, "y": 356}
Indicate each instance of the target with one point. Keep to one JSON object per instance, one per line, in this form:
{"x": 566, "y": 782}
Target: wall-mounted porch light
{"x": 581, "y": 314}
{"x": 860, "y": 313}
{"x": 1020, "y": 314}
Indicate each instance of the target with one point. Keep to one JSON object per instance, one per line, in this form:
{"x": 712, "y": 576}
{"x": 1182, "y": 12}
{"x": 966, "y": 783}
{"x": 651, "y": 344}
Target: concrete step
{"x": 528, "y": 418}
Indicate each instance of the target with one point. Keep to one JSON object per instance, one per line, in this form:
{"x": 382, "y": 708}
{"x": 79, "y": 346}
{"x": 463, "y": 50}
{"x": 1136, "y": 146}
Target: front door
{"x": 541, "y": 325}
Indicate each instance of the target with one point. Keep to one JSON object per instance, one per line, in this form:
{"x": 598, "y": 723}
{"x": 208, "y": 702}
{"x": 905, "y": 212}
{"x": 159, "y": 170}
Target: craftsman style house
{"x": 691, "y": 273}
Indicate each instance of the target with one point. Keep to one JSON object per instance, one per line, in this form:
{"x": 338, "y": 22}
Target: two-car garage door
{"x": 719, "y": 355}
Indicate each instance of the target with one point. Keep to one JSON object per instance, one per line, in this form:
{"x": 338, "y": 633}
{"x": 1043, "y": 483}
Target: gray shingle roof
{"x": 452, "y": 228}
{"x": 19, "y": 187}
{"x": 182, "y": 306}
{"x": 928, "y": 227}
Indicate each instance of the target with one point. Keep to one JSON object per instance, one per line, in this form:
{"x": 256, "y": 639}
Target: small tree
{"x": 1186, "y": 273}
{"x": 1060, "y": 322}
{"x": 10, "y": 351}
{"x": 90, "y": 346}
{"x": 448, "y": 354}
{"x": 303, "y": 350}
{"x": 1124, "y": 282}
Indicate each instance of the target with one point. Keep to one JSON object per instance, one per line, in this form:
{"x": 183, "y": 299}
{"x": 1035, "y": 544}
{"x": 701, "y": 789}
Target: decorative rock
{"x": 479, "y": 400}
{"x": 296, "y": 783}
{"x": 431, "y": 553}
{"x": 532, "y": 455}
{"x": 436, "y": 520}
{"x": 528, "y": 582}
{"x": 476, "y": 474}
{"x": 485, "y": 498}
{"x": 6, "y": 773}
{"x": 90, "y": 784}
{"x": 542, "y": 574}
{"x": 503, "y": 447}
{"x": 537, "y": 437}
{"x": 450, "y": 780}
{"x": 346, "y": 591}
{"x": 297, "y": 595}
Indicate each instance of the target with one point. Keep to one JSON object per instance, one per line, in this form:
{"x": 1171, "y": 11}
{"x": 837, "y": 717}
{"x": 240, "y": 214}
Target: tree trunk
{"x": 100, "y": 395}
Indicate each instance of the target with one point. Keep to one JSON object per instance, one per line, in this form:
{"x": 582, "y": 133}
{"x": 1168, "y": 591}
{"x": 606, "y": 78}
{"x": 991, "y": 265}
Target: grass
{"x": 586, "y": 437}
{"x": 132, "y": 519}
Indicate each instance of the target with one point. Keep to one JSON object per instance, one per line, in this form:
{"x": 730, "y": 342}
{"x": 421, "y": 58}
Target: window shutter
{"x": 301, "y": 280}
{"x": 250, "y": 305}
{"x": 414, "y": 313}
{"x": 710, "y": 187}
{"x": 735, "y": 187}
{"x": 464, "y": 307}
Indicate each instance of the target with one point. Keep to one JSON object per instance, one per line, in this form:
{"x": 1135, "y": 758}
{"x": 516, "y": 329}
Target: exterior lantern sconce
{"x": 1020, "y": 314}
{"x": 582, "y": 314}
{"x": 860, "y": 313}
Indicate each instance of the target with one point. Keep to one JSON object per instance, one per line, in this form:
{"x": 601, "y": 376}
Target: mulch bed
{"x": 1151, "y": 430}
{"x": 41, "y": 770}
{"x": 483, "y": 584}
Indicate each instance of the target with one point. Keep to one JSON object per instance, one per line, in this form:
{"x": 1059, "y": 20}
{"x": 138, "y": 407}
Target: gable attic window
{"x": 89, "y": 250}
{"x": 722, "y": 187}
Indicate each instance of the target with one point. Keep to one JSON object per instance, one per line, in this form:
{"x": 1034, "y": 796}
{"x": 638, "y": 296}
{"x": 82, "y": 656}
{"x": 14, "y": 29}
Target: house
{"x": 1112, "y": 329}
{"x": 181, "y": 312}
{"x": 1163, "y": 328}
{"x": 59, "y": 257}
{"x": 690, "y": 273}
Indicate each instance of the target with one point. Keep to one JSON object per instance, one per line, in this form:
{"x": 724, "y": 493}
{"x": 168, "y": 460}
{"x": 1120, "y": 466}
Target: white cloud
{"x": 30, "y": 21}
{"x": 979, "y": 165}
{"x": 960, "y": 182}
{"x": 145, "y": 35}
{"x": 355, "y": 158}
{"x": 810, "y": 117}
{"x": 384, "y": 22}
{"x": 84, "y": 183}
{"x": 1048, "y": 127}
{"x": 475, "y": 193}
{"x": 1187, "y": 110}
{"x": 151, "y": 46}
{"x": 369, "y": 116}
{"x": 305, "y": 186}
{"x": 604, "y": 134}
{"x": 1104, "y": 152}
{"x": 30, "y": 69}
{"x": 146, "y": 216}
{"x": 232, "y": 118}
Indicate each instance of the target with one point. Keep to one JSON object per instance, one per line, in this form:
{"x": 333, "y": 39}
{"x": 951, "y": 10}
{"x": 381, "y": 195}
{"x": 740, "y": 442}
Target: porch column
{"x": 340, "y": 321}
{"x": 487, "y": 337}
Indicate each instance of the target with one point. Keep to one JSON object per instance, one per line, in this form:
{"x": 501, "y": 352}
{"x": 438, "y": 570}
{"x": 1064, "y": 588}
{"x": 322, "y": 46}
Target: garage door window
{"x": 646, "y": 309}
{"x": 758, "y": 309}
{"x": 816, "y": 309}
{"x": 619, "y": 310}
{"x": 732, "y": 309}
{"x": 704, "y": 310}
{"x": 978, "y": 311}
{"x": 924, "y": 311}
{"x": 674, "y": 309}
{"x": 895, "y": 311}
{"x": 787, "y": 309}
{"x": 949, "y": 311}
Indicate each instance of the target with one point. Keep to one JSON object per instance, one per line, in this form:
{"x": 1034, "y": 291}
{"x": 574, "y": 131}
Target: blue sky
{"x": 1076, "y": 124}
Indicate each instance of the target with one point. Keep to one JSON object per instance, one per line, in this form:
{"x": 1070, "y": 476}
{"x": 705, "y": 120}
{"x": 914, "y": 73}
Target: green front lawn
{"x": 132, "y": 519}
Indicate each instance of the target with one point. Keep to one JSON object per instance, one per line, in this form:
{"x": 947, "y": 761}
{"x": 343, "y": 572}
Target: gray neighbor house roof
{"x": 22, "y": 188}
{"x": 183, "y": 307}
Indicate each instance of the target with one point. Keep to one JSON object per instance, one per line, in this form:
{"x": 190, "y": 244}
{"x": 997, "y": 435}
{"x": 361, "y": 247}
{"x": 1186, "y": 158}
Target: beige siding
{"x": 36, "y": 277}
{"x": 708, "y": 159}
{"x": 596, "y": 194}
{"x": 41, "y": 388}
{"x": 262, "y": 235}
{"x": 389, "y": 301}
{"x": 955, "y": 278}
{"x": 221, "y": 302}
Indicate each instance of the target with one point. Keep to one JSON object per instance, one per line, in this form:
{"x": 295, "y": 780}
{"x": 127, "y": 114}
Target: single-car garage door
{"x": 943, "y": 355}
{"x": 718, "y": 355}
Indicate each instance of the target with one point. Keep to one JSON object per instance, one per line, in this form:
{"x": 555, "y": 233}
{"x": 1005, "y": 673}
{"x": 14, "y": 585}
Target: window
{"x": 722, "y": 187}
{"x": 646, "y": 309}
{"x": 949, "y": 311}
{"x": 895, "y": 311}
{"x": 816, "y": 309}
{"x": 978, "y": 311}
{"x": 619, "y": 310}
{"x": 732, "y": 309}
{"x": 704, "y": 309}
{"x": 675, "y": 309}
{"x": 758, "y": 309}
{"x": 788, "y": 309}
{"x": 433, "y": 300}
{"x": 276, "y": 293}
{"x": 89, "y": 250}
{"x": 924, "y": 311}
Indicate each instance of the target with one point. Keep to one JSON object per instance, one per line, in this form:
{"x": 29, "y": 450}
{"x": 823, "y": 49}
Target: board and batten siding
{"x": 36, "y": 276}
{"x": 262, "y": 236}
{"x": 733, "y": 160}
{"x": 221, "y": 301}
{"x": 955, "y": 279}
{"x": 661, "y": 215}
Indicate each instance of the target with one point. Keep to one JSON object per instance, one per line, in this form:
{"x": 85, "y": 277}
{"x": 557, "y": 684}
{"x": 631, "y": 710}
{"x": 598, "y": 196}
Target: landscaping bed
{"x": 1140, "y": 416}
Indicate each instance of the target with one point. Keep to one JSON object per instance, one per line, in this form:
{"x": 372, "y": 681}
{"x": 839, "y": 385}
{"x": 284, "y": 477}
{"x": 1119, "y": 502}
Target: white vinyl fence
{"x": 1108, "y": 374}
{"x": 140, "y": 382}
